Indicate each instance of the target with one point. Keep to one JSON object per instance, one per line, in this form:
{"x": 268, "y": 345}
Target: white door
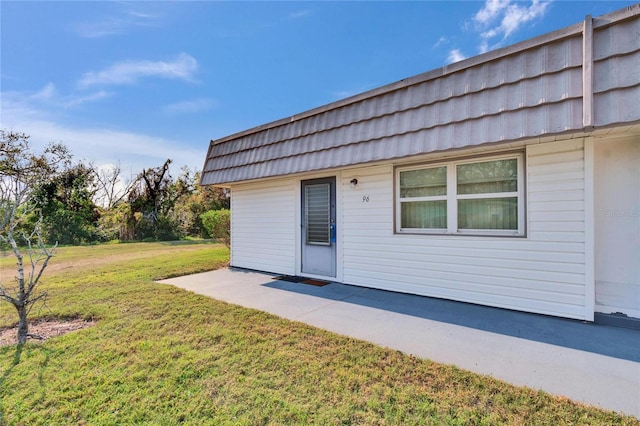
{"x": 318, "y": 209}
{"x": 617, "y": 223}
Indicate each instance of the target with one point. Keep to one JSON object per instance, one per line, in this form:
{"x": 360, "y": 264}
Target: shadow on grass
{"x": 16, "y": 361}
{"x": 43, "y": 366}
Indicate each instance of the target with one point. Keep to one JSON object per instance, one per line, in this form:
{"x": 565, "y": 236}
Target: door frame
{"x": 338, "y": 226}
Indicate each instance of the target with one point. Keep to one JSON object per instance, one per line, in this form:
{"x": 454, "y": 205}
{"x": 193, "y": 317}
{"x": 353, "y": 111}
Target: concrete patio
{"x": 592, "y": 363}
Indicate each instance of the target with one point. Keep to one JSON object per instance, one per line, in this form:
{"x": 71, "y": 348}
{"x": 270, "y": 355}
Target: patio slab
{"x": 591, "y": 363}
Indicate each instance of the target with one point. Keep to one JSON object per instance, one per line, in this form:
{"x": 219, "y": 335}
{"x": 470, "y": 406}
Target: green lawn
{"x": 161, "y": 355}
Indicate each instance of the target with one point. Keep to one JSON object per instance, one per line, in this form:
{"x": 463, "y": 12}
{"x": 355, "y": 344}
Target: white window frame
{"x": 452, "y": 198}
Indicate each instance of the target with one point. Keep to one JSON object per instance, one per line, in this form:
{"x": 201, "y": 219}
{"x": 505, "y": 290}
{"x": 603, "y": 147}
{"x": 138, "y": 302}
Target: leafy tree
{"x": 113, "y": 223}
{"x": 218, "y": 224}
{"x": 152, "y": 199}
{"x": 214, "y": 198}
{"x": 21, "y": 172}
{"x": 66, "y": 203}
{"x": 189, "y": 208}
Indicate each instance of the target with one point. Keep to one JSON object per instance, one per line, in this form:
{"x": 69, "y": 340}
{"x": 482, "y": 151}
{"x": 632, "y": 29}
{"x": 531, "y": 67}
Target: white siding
{"x": 262, "y": 223}
{"x": 617, "y": 225}
{"x": 543, "y": 272}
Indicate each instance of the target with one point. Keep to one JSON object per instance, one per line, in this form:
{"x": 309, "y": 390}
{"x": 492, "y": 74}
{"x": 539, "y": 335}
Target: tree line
{"x": 76, "y": 202}
{"x": 47, "y": 199}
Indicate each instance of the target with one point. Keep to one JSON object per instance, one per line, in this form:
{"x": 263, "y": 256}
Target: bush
{"x": 218, "y": 225}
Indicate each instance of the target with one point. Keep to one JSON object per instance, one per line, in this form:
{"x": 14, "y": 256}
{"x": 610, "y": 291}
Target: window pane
{"x": 317, "y": 214}
{"x": 488, "y": 177}
{"x": 424, "y": 214}
{"x": 423, "y": 182}
{"x": 488, "y": 213}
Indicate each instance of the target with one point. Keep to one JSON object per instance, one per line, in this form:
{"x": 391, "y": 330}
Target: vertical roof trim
{"x": 587, "y": 73}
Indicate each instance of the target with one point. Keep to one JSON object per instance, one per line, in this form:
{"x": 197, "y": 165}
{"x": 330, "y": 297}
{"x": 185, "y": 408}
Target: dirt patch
{"x": 44, "y": 329}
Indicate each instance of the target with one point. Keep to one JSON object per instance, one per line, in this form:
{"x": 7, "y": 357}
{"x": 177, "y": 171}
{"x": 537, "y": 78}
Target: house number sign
{"x": 365, "y": 198}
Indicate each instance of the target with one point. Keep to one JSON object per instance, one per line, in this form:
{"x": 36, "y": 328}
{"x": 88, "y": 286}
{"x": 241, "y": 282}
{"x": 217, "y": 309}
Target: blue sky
{"x": 139, "y": 82}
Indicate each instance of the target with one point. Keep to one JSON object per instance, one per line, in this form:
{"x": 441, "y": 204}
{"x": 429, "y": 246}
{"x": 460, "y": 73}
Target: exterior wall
{"x": 545, "y": 96}
{"x": 617, "y": 225}
{"x": 263, "y": 234}
{"x": 543, "y": 273}
{"x": 547, "y": 271}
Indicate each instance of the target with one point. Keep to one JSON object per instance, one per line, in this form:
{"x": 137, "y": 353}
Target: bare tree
{"x": 111, "y": 187}
{"x": 20, "y": 172}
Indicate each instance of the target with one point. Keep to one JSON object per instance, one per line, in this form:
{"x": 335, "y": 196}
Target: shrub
{"x": 218, "y": 225}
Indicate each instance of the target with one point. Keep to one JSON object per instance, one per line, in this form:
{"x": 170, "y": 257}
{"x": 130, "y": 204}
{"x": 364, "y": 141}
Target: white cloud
{"x": 46, "y": 93}
{"x": 49, "y": 96}
{"x": 190, "y": 106}
{"x": 490, "y": 10}
{"x": 511, "y": 16}
{"x": 143, "y": 15}
{"x": 74, "y": 101}
{"x": 103, "y": 28}
{"x": 455, "y": 56}
{"x": 99, "y": 145}
{"x": 119, "y": 22}
{"x": 299, "y": 14}
{"x": 129, "y": 72}
{"x": 516, "y": 16}
{"x": 442, "y": 40}
{"x": 104, "y": 146}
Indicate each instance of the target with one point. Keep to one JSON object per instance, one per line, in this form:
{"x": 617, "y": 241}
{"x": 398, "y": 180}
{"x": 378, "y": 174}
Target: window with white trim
{"x": 469, "y": 197}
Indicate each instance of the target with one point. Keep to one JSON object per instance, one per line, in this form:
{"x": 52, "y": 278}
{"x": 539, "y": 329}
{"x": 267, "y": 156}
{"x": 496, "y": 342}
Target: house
{"x": 510, "y": 179}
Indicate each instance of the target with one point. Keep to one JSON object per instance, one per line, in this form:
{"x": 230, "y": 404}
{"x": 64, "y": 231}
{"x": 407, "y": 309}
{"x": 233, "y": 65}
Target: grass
{"x": 161, "y": 355}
